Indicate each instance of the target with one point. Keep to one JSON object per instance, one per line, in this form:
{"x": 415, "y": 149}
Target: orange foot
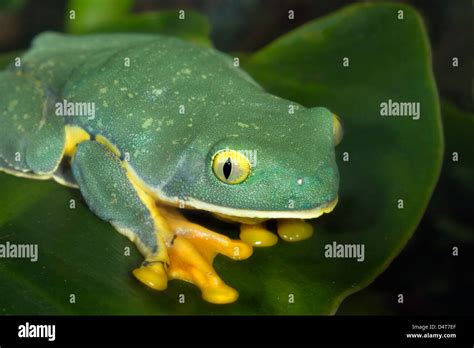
{"x": 191, "y": 252}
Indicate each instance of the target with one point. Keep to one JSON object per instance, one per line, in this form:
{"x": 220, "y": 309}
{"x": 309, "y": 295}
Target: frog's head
{"x": 271, "y": 169}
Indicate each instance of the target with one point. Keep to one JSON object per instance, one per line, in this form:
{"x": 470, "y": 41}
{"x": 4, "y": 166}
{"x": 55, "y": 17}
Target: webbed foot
{"x": 152, "y": 274}
{"x": 191, "y": 252}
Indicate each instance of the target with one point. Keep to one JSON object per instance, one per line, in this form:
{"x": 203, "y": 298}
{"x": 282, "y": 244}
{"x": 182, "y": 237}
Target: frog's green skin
{"x": 163, "y": 118}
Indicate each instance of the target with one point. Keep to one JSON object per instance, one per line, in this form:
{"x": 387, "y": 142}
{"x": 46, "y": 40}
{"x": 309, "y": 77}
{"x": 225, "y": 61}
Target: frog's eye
{"x": 230, "y": 166}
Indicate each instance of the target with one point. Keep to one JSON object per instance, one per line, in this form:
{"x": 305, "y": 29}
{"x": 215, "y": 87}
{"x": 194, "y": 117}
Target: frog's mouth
{"x": 255, "y": 216}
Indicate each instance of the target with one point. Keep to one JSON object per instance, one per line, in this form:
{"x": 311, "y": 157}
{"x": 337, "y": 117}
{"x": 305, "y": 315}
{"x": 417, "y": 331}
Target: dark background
{"x": 247, "y": 25}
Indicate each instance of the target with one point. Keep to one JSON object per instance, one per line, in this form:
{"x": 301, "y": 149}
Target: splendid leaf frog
{"x": 147, "y": 125}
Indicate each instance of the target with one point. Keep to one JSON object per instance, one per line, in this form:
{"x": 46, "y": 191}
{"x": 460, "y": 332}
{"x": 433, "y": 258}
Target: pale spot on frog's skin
{"x": 105, "y": 104}
{"x": 116, "y": 82}
{"x": 26, "y": 116}
{"x": 175, "y": 142}
{"x": 147, "y": 123}
{"x": 124, "y": 89}
{"x": 204, "y": 76}
{"x": 103, "y": 90}
{"x": 255, "y": 126}
{"x": 186, "y": 71}
{"x": 156, "y": 92}
{"x": 130, "y": 95}
{"x": 42, "y": 123}
{"x": 169, "y": 122}
{"x": 158, "y": 129}
{"x": 113, "y": 197}
{"x": 12, "y": 105}
{"x": 242, "y": 125}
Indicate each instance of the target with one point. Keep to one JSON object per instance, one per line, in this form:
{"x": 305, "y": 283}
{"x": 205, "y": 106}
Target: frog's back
{"x": 53, "y": 57}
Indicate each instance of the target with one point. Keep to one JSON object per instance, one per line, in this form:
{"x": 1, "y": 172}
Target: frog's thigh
{"x": 31, "y": 135}
{"x": 104, "y": 184}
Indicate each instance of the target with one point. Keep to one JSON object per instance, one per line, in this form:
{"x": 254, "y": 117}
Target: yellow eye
{"x": 230, "y": 166}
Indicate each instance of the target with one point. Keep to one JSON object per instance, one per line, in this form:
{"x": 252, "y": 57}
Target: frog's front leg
{"x": 108, "y": 192}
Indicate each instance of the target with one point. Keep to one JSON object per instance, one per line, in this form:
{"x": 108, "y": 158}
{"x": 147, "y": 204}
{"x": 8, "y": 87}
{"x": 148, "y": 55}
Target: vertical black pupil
{"x": 227, "y": 168}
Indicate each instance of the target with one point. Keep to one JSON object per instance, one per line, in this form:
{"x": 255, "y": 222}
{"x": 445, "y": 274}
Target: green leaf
{"x": 445, "y": 226}
{"x": 193, "y": 28}
{"x": 391, "y": 158}
{"x": 114, "y": 16}
{"x": 89, "y": 14}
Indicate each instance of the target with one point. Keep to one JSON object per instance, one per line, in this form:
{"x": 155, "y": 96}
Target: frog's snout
{"x": 305, "y": 188}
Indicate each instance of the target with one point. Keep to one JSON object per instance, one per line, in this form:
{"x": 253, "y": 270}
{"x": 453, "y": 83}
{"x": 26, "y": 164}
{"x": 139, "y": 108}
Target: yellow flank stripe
{"x": 74, "y": 136}
{"x": 110, "y": 146}
{"x": 132, "y": 236}
{"x": 161, "y": 226}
